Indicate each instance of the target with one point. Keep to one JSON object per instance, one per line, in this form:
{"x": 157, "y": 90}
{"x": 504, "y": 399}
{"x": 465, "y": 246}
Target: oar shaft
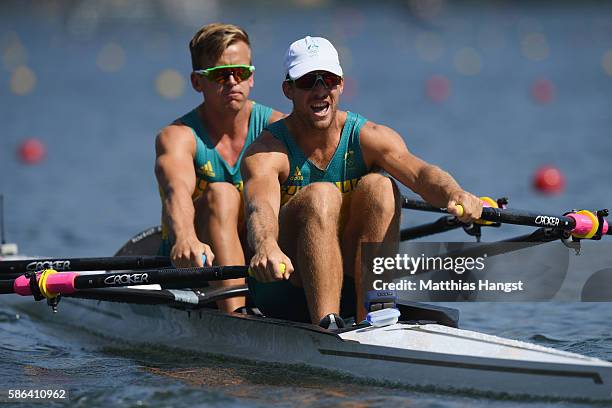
{"x": 519, "y": 217}
{"x": 159, "y": 276}
{"x": 85, "y": 264}
{"x": 443, "y": 224}
{"x": 420, "y": 205}
{"x": 577, "y": 223}
{"x": 6, "y": 286}
{"x": 70, "y": 282}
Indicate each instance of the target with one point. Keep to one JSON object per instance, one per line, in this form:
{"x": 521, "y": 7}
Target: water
{"x": 96, "y": 187}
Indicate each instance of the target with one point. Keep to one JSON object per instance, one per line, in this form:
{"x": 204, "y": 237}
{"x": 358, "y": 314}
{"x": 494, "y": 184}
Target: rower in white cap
{"x": 314, "y": 192}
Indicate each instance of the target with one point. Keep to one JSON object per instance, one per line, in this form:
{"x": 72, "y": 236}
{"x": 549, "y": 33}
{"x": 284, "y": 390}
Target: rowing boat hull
{"x": 421, "y": 355}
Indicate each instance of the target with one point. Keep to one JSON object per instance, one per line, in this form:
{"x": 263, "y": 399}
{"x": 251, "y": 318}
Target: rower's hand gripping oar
{"x": 475, "y": 228}
{"x": 50, "y": 284}
{"x": 451, "y": 222}
{"x": 582, "y": 224}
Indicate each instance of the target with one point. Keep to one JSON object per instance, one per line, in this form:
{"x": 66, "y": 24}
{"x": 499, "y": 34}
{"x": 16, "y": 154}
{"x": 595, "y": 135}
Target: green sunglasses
{"x": 221, "y": 73}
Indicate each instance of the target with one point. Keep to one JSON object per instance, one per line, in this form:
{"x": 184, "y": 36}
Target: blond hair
{"x": 210, "y": 42}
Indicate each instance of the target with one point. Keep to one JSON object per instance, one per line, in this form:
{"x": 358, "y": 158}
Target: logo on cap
{"x": 312, "y": 48}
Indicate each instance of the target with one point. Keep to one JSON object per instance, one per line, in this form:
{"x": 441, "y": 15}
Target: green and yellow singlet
{"x": 344, "y": 170}
{"x": 209, "y": 165}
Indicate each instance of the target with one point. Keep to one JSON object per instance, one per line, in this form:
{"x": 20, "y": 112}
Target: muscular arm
{"x": 265, "y": 163}
{"x": 175, "y": 149}
{"x": 384, "y": 148}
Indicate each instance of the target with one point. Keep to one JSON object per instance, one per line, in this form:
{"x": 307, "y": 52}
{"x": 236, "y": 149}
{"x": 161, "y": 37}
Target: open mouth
{"x": 320, "y": 108}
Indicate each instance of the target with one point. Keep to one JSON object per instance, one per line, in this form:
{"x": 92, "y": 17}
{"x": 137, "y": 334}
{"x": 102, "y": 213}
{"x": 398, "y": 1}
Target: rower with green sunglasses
{"x": 315, "y": 191}
{"x": 221, "y": 73}
{"x": 199, "y": 154}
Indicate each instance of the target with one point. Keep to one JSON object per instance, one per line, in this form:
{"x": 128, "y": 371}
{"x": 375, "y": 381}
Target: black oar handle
{"x": 159, "y": 276}
{"x": 519, "y": 217}
{"x": 85, "y": 264}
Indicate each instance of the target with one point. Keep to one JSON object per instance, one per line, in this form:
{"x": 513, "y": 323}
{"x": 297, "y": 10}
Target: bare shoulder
{"x": 276, "y": 116}
{"x": 380, "y": 144}
{"x": 175, "y": 136}
{"x": 266, "y": 143}
{"x": 372, "y": 129}
{"x": 376, "y": 135}
{"x": 174, "y": 131}
{"x": 265, "y": 156}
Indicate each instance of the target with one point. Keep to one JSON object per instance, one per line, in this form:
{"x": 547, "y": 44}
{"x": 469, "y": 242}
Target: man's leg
{"x": 309, "y": 237}
{"x": 373, "y": 216}
{"x": 216, "y": 222}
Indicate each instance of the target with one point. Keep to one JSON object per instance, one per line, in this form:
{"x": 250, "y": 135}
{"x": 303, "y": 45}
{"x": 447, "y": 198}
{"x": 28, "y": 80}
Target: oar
{"x": 446, "y": 223}
{"x": 84, "y": 264}
{"x": 51, "y": 283}
{"x": 581, "y": 224}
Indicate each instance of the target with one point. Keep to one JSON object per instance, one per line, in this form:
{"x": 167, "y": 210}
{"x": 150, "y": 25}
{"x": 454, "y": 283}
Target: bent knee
{"x": 319, "y": 201}
{"x": 219, "y": 199}
{"x": 375, "y": 183}
{"x": 379, "y": 193}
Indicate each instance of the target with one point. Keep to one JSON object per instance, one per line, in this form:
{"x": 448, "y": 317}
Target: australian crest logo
{"x": 349, "y": 158}
{"x": 312, "y": 48}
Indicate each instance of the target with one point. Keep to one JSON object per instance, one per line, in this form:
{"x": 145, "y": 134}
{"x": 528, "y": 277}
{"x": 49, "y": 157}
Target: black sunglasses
{"x": 309, "y": 81}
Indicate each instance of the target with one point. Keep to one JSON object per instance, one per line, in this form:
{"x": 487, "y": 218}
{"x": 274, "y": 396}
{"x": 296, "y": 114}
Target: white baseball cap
{"x": 311, "y": 54}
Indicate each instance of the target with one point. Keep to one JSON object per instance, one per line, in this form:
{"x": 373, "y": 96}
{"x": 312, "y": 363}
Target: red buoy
{"x": 543, "y": 91}
{"x": 438, "y": 88}
{"x": 31, "y": 151}
{"x": 549, "y": 180}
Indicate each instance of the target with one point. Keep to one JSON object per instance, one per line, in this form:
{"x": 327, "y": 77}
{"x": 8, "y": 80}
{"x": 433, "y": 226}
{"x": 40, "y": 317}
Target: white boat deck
{"x": 441, "y": 339}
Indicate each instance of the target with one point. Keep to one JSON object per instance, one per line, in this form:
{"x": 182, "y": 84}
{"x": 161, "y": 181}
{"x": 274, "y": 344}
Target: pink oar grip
{"x": 584, "y": 224}
{"x": 21, "y": 286}
{"x": 62, "y": 282}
